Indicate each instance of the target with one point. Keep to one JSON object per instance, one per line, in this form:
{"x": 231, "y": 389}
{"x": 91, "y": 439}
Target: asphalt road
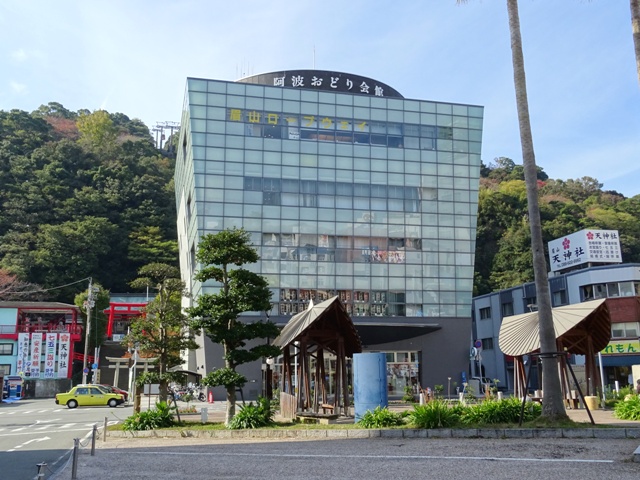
{"x": 379, "y": 458}
{"x": 37, "y": 431}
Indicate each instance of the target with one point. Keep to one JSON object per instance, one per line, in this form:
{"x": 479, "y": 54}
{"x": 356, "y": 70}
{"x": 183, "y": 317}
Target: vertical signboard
{"x": 63, "y": 356}
{"x": 50, "y": 355}
{"x": 36, "y": 354}
{"x": 23, "y": 352}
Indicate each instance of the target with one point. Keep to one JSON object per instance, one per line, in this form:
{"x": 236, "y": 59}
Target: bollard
{"x": 204, "y": 414}
{"x": 104, "y": 431}
{"x": 421, "y": 398}
{"x": 74, "y": 463}
{"x": 94, "y": 433}
{"x": 41, "y": 470}
{"x": 499, "y": 395}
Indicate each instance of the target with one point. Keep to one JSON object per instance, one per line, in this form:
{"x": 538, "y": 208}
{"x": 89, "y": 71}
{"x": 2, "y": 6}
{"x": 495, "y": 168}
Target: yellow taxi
{"x": 89, "y": 396}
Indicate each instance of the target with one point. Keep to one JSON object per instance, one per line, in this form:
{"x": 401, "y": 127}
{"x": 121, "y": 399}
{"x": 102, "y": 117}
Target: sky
{"x": 134, "y": 57}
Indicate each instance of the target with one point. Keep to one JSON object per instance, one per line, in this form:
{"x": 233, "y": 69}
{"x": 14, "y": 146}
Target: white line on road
{"x": 33, "y": 432}
{"x": 28, "y": 442}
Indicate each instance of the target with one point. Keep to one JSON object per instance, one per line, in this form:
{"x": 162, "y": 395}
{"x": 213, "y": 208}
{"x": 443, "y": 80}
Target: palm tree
{"x": 553, "y": 407}
{"x": 635, "y": 26}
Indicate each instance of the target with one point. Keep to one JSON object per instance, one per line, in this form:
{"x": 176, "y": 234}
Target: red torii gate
{"x": 122, "y": 311}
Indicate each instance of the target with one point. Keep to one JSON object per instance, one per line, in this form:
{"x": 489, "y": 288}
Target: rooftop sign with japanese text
{"x": 324, "y": 80}
{"x": 585, "y": 246}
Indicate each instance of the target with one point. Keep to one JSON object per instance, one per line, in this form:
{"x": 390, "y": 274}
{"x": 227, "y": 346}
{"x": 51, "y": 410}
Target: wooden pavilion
{"x": 581, "y": 329}
{"x": 304, "y": 341}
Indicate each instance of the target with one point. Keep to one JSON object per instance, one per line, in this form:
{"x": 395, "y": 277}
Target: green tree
{"x": 163, "y": 329}
{"x": 222, "y": 256}
{"x": 97, "y": 131}
{"x": 54, "y": 109}
{"x": 73, "y": 250}
{"x": 147, "y": 244}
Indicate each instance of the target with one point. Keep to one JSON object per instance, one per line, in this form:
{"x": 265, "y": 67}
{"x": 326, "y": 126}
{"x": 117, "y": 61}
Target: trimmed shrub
{"x": 254, "y": 416}
{"x": 160, "y": 416}
{"x": 435, "y": 414}
{"x": 380, "y": 418}
{"x": 628, "y": 409}
{"x": 502, "y": 411}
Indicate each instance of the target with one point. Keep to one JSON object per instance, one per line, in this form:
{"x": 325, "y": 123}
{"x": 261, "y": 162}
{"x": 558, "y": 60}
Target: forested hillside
{"x": 82, "y": 194}
{"x": 88, "y": 194}
{"x": 503, "y": 248}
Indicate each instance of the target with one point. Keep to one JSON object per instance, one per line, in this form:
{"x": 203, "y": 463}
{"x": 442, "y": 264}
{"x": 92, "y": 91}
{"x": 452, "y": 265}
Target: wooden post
{"x": 345, "y": 387}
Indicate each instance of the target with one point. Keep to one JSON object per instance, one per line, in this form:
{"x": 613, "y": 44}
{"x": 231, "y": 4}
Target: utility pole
{"x": 88, "y": 305}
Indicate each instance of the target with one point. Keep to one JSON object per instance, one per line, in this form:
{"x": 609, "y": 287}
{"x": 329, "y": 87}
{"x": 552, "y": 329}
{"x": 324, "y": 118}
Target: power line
{"x": 26, "y": 292}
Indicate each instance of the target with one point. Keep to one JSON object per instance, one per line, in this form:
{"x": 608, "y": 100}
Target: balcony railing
{"x": 34, "y": 328}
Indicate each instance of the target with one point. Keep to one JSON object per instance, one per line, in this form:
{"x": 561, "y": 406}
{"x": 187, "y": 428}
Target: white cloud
{"x": 18, "y": 87}
{"x": 19, "y": 55}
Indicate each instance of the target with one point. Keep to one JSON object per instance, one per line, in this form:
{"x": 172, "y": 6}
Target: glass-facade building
{"x": 347, "y": 189}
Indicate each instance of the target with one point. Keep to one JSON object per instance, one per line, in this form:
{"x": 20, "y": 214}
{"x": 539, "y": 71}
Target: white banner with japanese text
{"x": 23, "y": 353}
{"x": 50, "y": 355}
{"x": 63, "y": 355}
{"x": 36, "y": 354}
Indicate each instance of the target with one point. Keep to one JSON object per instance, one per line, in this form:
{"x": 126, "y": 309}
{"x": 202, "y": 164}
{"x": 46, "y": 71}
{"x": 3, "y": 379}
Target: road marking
{"x": 28, "y": 442}
{"x": 68, "y": 425}
{"x": 34, "y": 432}
{"x": 385, "y": 457}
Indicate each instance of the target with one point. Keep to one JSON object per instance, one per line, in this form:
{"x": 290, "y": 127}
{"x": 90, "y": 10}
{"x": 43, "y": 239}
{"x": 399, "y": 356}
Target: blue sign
{"x": 94, "y": 366}
{"x": 86, "y": 370}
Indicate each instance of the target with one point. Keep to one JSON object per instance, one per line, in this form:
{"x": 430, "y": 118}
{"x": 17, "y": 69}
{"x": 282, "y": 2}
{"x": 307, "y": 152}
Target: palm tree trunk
{"x": 635, "y": 26}
{"x": 553, "y": 406}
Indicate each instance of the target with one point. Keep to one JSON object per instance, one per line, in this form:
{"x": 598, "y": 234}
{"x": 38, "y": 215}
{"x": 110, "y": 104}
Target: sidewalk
{"x": 216, "y": 412}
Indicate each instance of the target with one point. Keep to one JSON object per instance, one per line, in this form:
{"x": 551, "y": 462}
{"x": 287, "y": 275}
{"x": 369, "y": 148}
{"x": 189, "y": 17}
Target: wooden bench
{"x": 572, "y": 401}
{"x": 326, "y": 406}
{"x": 316, "y": 418}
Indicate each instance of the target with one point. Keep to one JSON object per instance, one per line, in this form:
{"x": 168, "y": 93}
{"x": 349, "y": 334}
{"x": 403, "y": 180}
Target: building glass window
{"x": 559, "y": 298}
{"x": 487, "y": 343}
{"x": 507, "y": 309}
{"x": 485, "y": 313}
{"x": 625, "y": 330}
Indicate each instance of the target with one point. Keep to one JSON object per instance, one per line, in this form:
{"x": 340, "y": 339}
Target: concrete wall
{"x": 46, "y": 388}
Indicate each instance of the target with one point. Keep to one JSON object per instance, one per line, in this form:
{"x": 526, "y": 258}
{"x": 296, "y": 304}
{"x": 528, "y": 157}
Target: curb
{"x": 598, "y": 433}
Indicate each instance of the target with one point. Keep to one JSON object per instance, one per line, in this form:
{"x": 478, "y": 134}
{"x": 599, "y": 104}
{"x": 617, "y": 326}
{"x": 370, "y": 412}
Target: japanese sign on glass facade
{"x": 599, "y": 246}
